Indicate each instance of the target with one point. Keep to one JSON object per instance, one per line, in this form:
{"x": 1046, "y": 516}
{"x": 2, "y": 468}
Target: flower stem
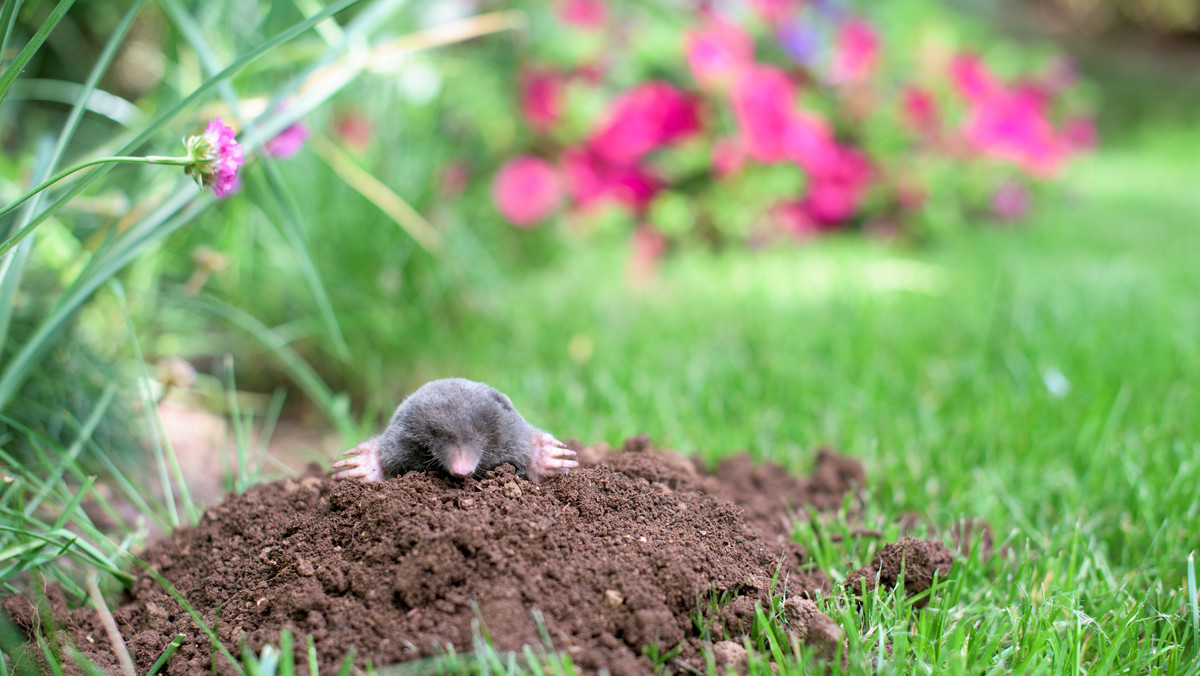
{"x": 152, "y": 159}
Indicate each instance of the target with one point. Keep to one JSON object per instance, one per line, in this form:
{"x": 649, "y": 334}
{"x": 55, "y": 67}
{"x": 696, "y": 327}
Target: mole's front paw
{"x": 363, "y": 463}
{"x": 549, "y": 456}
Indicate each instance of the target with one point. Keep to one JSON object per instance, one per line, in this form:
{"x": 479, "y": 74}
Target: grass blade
{"x": 170, "y": 650}
{"x": 292, "y": 230}
{"x": 183, "y": 602}
{"x": 110, "y": 625}
{"x": 8, "y": 19}
{"x": 1193, "y": 600}
{"x": 333, "y": 406}
{"x": 347, "y": 662}
{"x": 74, "y": 503}
{"x": 19, "y": 63}
{"x": 103, "y": 268}
{"x": 158, "y": 434}
{"x": 89, "y": 426}
{"x": 398, "y": 210}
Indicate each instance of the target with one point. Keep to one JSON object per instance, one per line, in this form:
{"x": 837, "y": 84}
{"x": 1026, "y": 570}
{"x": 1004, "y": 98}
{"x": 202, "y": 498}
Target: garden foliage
{"x": 780, "y": 118}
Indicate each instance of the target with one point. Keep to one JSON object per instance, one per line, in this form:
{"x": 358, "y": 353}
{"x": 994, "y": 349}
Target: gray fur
{"x": 455, "y": 413}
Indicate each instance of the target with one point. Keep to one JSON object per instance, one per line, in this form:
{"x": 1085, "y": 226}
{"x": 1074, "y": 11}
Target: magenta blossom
{"x": 920, "y": 110}
{"x": 589, "y": 14}
{"x": 717, "y": 51}
{"x": 809, "y": 143}
{"x": 762, "y": 100}
{"x": 591, "y": 180}
{"x": 526, "y": 190}
{"x": 972, "y": 79}
{"x": 835, "y": 193}
{"x": 1013, "y": 126}
{"x": 856, "y": 53}
{"x": 541, "y": 98}
{"x": 288, "y": 142}
{"x": 642, "y": 119}
{"x": 215, "y": 157}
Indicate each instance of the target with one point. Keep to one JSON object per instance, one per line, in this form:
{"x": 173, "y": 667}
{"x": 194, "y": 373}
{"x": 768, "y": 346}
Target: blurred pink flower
{"x": 541, "y": 98}
{"x": 1008, "y": 122}
{"x": 642, "y": 119}
{"x": 353, "y": 129}
{"x": 794, "y": 217}
{"x": 835, "y": 195}
{"x": 288, "y": 142}
{"x": 809, "y": 143}
{"x": 727, "y": 156}
{"x": 920, "y": 110}
{"x": 972, "y": 79}
{"x": 1013, "y": 126}
{"x": 526, "y": 190}
{"x": 591, "y": 180}
{"x": 648, "y": 246}
{"x": 1010, "y": 202}
{"x": 856, "y": 54}
{"x": 589, "y": 14}
{"x": 775, "y": 11}
{"x": 1080, "y": 133}
{"x": 717, "y": 51}
{"x": 216, "y": 156}
{"x": 763, "y": 99}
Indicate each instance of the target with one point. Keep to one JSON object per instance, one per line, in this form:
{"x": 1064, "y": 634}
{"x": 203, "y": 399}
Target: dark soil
{"x": 620, "y": 554}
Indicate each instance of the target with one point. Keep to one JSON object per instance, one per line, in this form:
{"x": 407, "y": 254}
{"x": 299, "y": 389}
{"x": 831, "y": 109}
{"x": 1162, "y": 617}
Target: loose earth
{"x": 628, "y": 551}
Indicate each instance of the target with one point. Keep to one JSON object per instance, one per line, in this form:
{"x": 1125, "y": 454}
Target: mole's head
{"x": 458, "y": 427}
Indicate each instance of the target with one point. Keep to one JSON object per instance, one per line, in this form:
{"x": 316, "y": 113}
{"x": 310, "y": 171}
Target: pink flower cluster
{"x": 1012, "y": 122}
{"x": 806, "y": 115}
{"x": 216, "y": 156}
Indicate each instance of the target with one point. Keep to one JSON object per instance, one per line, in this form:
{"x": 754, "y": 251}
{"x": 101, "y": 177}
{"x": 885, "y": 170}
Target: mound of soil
{"x": 610, "y": 558}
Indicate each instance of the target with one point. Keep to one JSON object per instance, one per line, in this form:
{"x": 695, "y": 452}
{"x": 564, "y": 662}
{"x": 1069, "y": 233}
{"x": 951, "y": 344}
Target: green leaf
{"x": 18, "y": 64}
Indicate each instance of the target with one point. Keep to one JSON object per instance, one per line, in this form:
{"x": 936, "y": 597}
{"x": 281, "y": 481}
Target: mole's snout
{"x": 461, "y": 463}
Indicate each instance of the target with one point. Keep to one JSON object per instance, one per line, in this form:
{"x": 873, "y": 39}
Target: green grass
{"x": 932, "y": 366}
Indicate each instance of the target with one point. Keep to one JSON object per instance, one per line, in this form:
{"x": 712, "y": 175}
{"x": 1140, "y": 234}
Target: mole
{"x": 461, "y": 427}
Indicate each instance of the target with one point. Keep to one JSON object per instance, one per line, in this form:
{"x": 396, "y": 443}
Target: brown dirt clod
{"x": 917, "y": 560}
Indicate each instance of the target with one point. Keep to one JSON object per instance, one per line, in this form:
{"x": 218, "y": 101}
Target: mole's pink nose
{"x": 462, "y": 466}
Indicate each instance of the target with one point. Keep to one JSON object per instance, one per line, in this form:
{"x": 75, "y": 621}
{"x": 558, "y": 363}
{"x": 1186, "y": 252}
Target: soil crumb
{"x": 602, "y": 561}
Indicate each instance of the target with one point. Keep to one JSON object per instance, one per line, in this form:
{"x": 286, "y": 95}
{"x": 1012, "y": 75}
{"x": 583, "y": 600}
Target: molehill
{"x": 617, "y": 555}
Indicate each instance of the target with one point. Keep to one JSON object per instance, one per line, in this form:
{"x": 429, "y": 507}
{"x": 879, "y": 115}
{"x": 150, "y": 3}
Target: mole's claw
{"x": 362, "y": 463}
{"x": 549, "y": 456}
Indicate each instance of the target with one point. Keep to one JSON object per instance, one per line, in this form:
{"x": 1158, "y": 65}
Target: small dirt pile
{"x": 615, "y": 556}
